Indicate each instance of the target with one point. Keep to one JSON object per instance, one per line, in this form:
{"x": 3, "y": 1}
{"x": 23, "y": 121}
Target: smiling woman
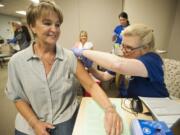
{"x": 46, "y": 99}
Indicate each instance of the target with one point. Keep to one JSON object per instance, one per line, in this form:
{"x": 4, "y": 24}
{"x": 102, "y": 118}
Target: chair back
{"x": 172, "y": 76}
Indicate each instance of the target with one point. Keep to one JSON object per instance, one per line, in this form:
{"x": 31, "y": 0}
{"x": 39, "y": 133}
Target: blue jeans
{"x": 64, "y": 128}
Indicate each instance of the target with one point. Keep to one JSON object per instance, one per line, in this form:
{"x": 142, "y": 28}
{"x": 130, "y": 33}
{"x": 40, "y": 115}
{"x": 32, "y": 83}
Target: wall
{"x": 97, "y": 17}
{"x": 174, "y": 45}
{"x": 6, "y": 30}
{"x": 159, "y": 14}
{"x": 100, "y": 17}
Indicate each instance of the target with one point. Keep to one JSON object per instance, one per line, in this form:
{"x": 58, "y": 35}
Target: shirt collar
{"x": 59, "y": 52}
{"x": 30, "y": 53}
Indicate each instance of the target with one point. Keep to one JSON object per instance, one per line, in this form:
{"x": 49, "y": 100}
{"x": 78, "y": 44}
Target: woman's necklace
{"x": 48, "y": 60}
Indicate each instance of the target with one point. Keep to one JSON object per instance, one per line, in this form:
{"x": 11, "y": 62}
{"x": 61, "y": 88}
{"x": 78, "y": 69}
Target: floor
{"x": 8, "y": 110}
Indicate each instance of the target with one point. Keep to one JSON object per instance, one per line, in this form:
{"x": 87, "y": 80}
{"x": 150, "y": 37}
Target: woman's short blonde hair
{"x": 145, "y": 34}
{"x": 45, "y": 7}
{"x": 83, "y": 32}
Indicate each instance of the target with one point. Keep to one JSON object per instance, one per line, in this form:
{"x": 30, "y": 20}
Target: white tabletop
{"x": 90, "y": 117}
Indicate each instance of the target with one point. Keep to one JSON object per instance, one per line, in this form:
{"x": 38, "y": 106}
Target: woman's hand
{"x": 41, "y": 128}
{"x": 113, "y": 123}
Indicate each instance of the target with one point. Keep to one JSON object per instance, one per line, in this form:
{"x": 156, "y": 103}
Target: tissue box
{"x": 149, "y": 127}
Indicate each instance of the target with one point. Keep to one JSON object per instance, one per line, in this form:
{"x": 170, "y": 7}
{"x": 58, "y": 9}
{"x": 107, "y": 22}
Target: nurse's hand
{"x": 86, "y": 62}
{"x": 78, "y": 52}
{"x": 113, "y": 122}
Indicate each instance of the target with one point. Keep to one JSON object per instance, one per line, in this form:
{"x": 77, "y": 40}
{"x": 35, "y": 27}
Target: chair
{"x": 5, "y": 54}
{"x": 172, "y": 76}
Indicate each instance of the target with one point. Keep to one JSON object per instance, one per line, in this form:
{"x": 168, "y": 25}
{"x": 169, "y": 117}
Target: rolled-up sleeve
{"x": 153, "y": 64}
{"x": 13, "y": 87}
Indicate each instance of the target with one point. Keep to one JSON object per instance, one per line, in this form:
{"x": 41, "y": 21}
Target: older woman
{"x": 41, "y": 80}
{"x": 140, "y": 62}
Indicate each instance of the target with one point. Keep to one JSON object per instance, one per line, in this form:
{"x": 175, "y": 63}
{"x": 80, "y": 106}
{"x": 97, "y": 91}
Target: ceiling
{"x": 14, "y": 5}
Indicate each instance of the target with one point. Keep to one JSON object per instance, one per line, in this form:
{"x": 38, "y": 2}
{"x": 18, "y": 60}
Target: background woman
{"x": 83, "y": 41}
{"x": 123, "y": 23}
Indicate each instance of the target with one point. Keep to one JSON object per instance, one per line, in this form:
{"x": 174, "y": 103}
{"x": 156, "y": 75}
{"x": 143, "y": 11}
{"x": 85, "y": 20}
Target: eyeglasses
{"x": 125, "y": 105}
{"x": 128, "y": 49}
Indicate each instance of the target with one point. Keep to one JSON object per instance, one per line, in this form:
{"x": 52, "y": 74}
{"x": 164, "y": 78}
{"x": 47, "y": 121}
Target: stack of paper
{"x": 163, "y": 109}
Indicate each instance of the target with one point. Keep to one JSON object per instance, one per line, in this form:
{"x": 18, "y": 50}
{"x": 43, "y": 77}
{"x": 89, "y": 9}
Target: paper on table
{"x": 169, "y": 119}
{"x": 167, "y": 110}
{"x": 94, "y": 122}
{"x": 164, "y": 109}
{"x": 157, "y": 102}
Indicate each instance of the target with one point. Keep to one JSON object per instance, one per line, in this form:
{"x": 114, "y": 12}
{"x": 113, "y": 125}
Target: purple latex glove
{"x": 78, "y": 52}
{"x": 86, "y": 62}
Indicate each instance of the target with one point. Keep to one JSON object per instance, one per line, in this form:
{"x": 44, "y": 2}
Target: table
{"x": 90, "y": 117}
{"x": 2, "y": 57}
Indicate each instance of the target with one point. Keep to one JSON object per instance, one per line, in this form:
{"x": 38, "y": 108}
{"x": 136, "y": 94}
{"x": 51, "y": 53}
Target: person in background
{"x": 27, "y": 33}
{"x": 41, "y": 80}
{"x": 117, "y": 39}
{"x": 83, "y": 41}
{"x": 140, "y": 62}
{"x": 124, "y": 22}
{"x": 21, "y": 35}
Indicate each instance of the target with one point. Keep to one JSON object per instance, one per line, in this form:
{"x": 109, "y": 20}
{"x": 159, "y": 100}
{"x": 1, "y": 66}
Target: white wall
{"x": 6, "y": 30}
{"x": 158, "y": 14}
{"x": 70, "y": 26}
{"x": 174, "y": 45}
{"x": 98, "y": 17}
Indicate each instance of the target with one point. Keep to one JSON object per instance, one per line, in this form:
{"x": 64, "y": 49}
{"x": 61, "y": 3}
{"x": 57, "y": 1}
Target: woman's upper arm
{"x": 133, "y": 67}
{"x": 141, "y": 69}
{"x": 83, "y": 76}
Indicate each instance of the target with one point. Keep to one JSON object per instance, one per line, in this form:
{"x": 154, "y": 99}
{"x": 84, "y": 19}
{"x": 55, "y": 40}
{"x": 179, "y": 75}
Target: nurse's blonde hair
{"x": 144, "y": 32}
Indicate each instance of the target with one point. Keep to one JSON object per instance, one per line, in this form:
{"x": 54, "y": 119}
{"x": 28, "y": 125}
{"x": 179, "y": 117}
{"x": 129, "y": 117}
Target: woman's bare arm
{"x": 117, "y": 64}
{"x": 113, "y": 123}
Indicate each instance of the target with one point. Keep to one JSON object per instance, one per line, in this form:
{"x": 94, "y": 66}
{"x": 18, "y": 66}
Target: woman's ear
{"x": 145, "y": 49}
